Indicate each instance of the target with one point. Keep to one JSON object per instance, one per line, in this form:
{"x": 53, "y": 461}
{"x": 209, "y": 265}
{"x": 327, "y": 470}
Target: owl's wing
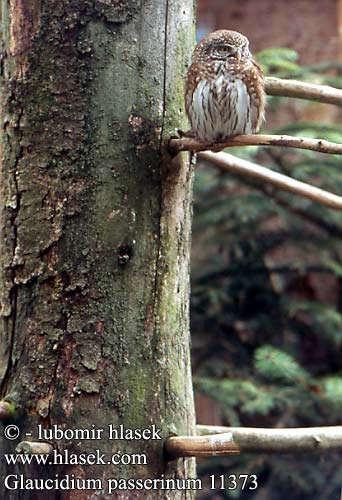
{"x": 196, "y": 72}
{"x": 257, "y": 83}
{"x": 190, "y": 85}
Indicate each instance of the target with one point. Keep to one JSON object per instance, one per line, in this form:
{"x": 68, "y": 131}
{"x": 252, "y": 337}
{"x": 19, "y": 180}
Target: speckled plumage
{"x": 224, "y": 93}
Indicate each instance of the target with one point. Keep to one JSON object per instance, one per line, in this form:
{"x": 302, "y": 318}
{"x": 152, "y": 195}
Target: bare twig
{"x": 303, "y": 90}
{"x": 287, "y": 141}
{"x": 201, "y": 446}
{"x": 230, "y": 163}
{"x": 290, "y": 440}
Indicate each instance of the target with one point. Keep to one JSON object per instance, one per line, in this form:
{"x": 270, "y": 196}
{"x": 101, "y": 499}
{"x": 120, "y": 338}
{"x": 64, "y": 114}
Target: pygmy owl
{"x": 224, "y": 93}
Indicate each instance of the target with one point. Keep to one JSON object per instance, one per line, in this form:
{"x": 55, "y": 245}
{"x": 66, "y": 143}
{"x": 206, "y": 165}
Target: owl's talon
{"x": 188, "y": 133}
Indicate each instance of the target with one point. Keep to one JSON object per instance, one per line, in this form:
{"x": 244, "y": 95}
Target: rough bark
{"x": 95, "y": 231}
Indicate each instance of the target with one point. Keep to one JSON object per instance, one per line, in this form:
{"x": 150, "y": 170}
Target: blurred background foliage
{"x": 267, "y": 300}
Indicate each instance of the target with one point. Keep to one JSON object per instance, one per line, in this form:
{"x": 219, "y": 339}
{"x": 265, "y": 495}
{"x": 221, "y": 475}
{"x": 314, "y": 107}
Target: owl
{"x": 224, "y": 94}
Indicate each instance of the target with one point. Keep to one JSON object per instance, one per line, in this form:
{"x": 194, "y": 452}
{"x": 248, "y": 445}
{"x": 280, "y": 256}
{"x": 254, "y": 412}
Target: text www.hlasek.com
{"x": 66, "y": 458}
{"x": 118, "y": 434}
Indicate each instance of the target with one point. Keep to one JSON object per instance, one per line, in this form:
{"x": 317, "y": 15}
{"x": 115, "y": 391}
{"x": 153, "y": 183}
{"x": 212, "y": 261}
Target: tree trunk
{"x": 95, "y": 235}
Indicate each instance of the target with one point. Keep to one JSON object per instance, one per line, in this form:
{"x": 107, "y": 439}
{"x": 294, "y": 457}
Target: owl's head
{"x": 222, "y": 45}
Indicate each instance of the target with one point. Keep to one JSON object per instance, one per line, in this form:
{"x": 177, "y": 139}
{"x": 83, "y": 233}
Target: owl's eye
{"x": 220, "y": 51}
{"x": 223, "y": 49}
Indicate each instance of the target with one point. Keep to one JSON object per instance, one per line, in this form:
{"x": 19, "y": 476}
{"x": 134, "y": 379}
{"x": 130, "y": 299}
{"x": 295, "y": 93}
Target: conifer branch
{"x": 303, "y": 90}
{"x": 333, "y": 230}
{"x": 261, "y": 269}
{"x": 234, "y": 165}
{"x": 287, "y": 141}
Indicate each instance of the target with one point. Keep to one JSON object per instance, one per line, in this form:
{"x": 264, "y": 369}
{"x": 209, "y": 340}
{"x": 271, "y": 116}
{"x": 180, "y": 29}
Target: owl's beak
{"x": 235, "y": 52}
{"x": 238, "y": 55}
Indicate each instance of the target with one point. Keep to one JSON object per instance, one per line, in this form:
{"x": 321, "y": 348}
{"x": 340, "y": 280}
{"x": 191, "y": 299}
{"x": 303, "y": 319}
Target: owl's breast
{"x": 220, "y": 108}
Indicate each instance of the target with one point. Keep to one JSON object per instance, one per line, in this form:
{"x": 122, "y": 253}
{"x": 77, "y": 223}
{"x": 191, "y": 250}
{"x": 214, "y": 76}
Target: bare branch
{"x": 290, "y": 440}
{"x": 234, "y": 165}
{"x": 287, "y": 141}
{"x": 303, "y": 90}
{"x": 217, "y": 440}
{"x": 201, "y": 446}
